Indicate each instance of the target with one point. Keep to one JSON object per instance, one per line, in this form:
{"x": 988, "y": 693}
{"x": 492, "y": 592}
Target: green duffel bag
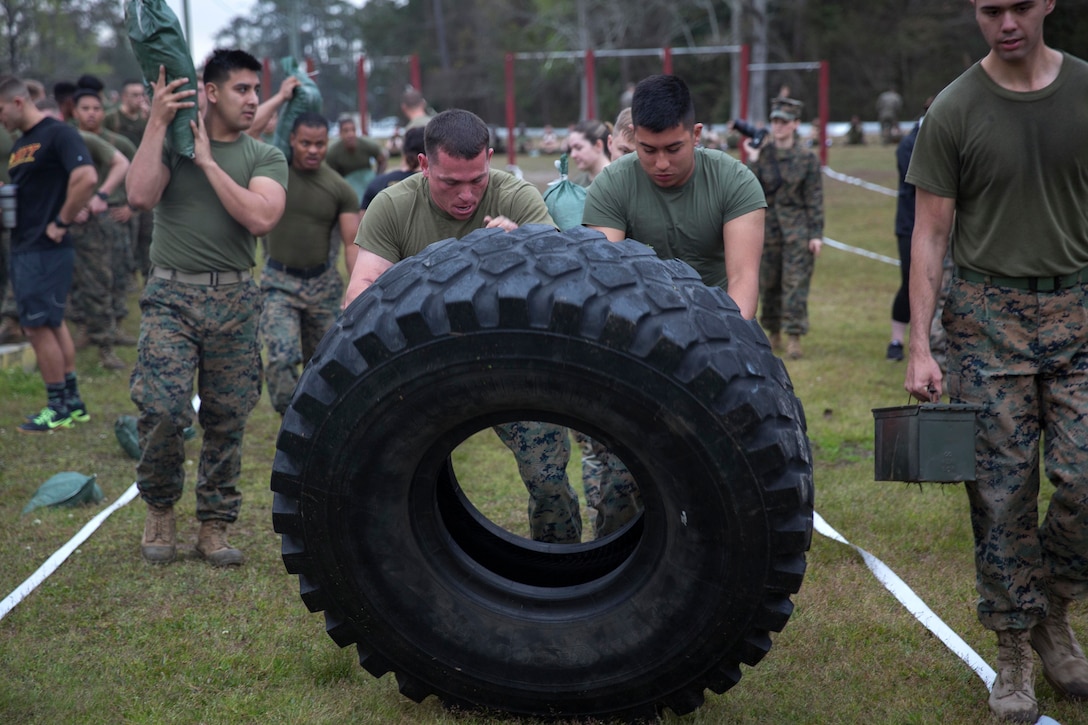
{"x": 66, "y": 489}
{"x": 307, "y": 97}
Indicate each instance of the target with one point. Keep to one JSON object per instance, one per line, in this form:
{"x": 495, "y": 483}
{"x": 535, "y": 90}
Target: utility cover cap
{"x": 66, "y": 489}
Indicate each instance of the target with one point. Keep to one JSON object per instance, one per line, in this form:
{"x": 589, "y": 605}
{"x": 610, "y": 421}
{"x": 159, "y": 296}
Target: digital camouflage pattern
{"x": 542, "y": 451}
{"x": 213, "y": 331}
{"x": 296, "y": 314}
{"x": 1023, "y": 356}
{"x": 610, "y": 488}
{"x": 93, "y": 283}
{"x": 795, "y": 214}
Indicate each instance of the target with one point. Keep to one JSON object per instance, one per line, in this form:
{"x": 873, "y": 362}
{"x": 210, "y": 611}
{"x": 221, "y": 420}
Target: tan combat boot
{"x": 159, "y": 545}
{"x": 1013, "y": 697}
{"x": 108, "y": 359}
{"x": 793, "y": 347}
{"x": 212, "y": 544}
{"x": 1064, "y": 664}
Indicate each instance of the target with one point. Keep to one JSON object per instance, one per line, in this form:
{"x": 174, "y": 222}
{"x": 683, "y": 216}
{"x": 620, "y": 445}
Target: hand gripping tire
{"x": 564, "y": 327}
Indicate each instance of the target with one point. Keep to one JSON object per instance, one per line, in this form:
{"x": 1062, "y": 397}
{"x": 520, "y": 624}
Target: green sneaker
{"x": 78, "y": 412}
{"x": 46, "y": 421}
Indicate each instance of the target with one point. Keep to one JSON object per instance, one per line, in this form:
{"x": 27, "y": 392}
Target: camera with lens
{"x": 8, "y": 205}
{"x": 758, "y": 135}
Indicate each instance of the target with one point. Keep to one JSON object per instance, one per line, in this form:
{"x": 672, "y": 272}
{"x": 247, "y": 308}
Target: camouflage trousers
{"x": 296, "y": 313}
{"x": 785, "y": 272}
{"x": 542, "y": 451}
{"x": 98, "y": 288}
{"x": 610, "y": 488}
{"x": 210, "y": 333}
{"x": 1023, "y": 356}
{"x": 938, "y": 339}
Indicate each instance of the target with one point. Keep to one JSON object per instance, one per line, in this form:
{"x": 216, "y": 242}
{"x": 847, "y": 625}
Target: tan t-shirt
{"x": 402, "y": 220}
{"x": 193, "y": 230}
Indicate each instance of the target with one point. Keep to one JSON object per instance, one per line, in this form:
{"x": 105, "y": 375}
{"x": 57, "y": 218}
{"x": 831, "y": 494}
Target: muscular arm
{"x": 115, "y": 176}
{"x": 349, "y": 227}
{"x": 81, "y": 186}
{"x": 268, "y": 109}
{"x": 743, "y": 240}
{"x": 148, "y": 175}
{"x": 932, "y": 224}
{"x": 368, "y": 267}
{"x": 612, "y": 235}
{"x": 258, "y": 207}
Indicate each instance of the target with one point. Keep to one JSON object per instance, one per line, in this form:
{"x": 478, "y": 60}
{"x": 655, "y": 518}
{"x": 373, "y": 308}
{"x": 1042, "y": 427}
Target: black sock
{"x": 56, "y": 397}
{"x": 71, "y": 391}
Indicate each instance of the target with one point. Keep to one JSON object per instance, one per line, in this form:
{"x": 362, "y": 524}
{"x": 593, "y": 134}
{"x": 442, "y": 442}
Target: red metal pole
{"x": 825, "y": 108}
{"x": 360, "y": 79}
{"x": 666, "y": 67}
{"x": 591, "y": 90}
{"x": 511, "y": 111}
{"x": 417, "y": 77}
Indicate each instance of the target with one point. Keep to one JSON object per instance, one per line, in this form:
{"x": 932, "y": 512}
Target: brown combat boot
{"x": 159, "y": 545}
{"x": 10, "y": 331}
{"x": 793, "y": 347}
{"x": 108, "y": 359}
{"x": 1013, "y": 696}
{"x": 212, "y": 544}
{"x": 776, "y": 341}
{"x": 1064, "y": 664}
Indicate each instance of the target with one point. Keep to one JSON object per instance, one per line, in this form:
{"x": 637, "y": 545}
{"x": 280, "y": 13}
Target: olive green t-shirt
{"x": 315, "y": 201}
{"x": 344, "y": 161}
{"x": 402, "y": 220}
{"x": 193, "y": 230}
{"x": 122, "y": 144}
{"x": 1017, "y": 166}
{"x": 682, "y": 223}
{"x": 101, "y": 155}
{"x": 130, "y": 128}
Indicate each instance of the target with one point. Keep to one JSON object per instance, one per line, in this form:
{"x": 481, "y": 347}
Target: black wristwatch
{"x": 59, "y": 223}
{"x": 102, "y": 195}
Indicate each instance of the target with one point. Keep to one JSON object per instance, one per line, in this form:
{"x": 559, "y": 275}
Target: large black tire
{"x": 563, "y": 327}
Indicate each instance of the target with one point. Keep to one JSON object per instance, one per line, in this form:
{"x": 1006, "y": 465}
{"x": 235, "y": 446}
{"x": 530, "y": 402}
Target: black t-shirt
{"x": 380, "y": 182}
{"x": 40, "y": 163}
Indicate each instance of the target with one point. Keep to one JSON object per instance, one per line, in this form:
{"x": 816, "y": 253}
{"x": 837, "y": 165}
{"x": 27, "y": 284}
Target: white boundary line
{"x": 832, "y": 174}
{"x": 53, "y": 562}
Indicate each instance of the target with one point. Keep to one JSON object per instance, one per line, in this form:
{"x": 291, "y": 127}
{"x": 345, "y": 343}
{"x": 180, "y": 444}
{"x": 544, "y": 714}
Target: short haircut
{"x": 413, "y": 145}
{"x": 46, "y": 104}
{"x": 412, "y": 98}
{"x": 310, "y": 119}
{"x": 595, "y": 131}
{"x": 89, "y": 81}
{"x": 461, "y": 134}
{"x": 84, "y": 92}
{"x": 623, "y": 125}
{"x": 36, "y": 89}
{"x": 662, "y": 102}
{"x": 222, "y": 62}
{"x": 345, "y": 118}
{"x": 11, "y": 87}
{"x": 63, "y": 91}
{"x": 132, "y": 82}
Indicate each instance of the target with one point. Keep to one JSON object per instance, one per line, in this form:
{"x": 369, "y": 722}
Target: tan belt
{"x": 206, "y": 279}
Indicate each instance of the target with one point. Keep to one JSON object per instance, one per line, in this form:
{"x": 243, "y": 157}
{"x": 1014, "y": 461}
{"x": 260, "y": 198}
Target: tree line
{"x": 915, "y": 46}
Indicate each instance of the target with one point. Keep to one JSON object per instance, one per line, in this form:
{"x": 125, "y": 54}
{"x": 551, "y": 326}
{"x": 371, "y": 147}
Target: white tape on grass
{"x": 53, "y": 562}
{"x": 860, "y": 252}
{"x": 854, "y": 181}
{"x": 914, "y": 605}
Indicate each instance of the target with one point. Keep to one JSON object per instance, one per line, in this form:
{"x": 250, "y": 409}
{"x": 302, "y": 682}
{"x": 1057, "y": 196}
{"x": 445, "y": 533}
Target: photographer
{"x": 794, "y": 228}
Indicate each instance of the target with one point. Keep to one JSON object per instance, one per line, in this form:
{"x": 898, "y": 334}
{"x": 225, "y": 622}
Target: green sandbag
{"x": 66, "y": 489}
{"x": 307, "y": 97}
{"x": 156, "y": 39}
{"x": 565, "y": 199}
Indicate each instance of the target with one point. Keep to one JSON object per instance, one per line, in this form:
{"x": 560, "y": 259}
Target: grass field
{"x": 110, "y": 639}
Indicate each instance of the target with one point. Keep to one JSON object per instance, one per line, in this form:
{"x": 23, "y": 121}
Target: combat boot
{"x": 211, "y": 544}
{"x": 159, "y": 545}
{"x": 81, "y": 339}
{"x": 108, "y": 359}
{"x": 793, "y": 347}
{"x": 1013, "y": 696}
{"x": 1064, "y": 664}
{"x": 776, "y": 341}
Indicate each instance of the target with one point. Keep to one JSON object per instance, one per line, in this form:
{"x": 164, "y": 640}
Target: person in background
{"x": 300, "y": 290}
{"x": 414, "y": 107}
{"x": 357, "y": 158}
{"x": 54, "y": 178}
{"x": 201, "y": 309}
{"x": 622, "y": 139}
{"x": 588, "y": 144}
{"x": 999, "y": 166}
{"x": 411, "y": 148}
{"x": 791, "y": 180}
